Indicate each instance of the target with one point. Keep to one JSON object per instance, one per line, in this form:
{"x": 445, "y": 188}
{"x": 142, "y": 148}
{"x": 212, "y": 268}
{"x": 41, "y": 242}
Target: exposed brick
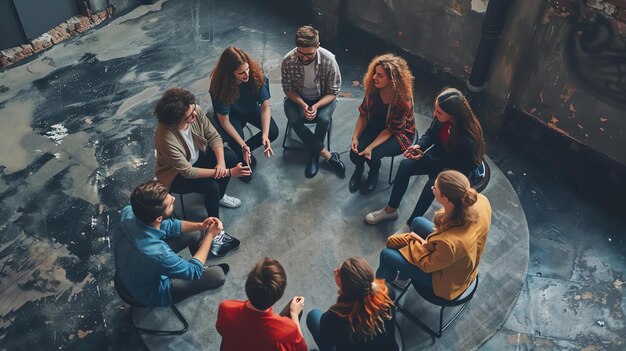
{"x": 95, "y": 19}
{"x": 83, "y": 24}
{"x": 110, "y": 10}
{"x": 4, "y": 61}
{"x": 27, "y": 49}
{"x": 617, "y": 3}
{"x": 103, "y": 14}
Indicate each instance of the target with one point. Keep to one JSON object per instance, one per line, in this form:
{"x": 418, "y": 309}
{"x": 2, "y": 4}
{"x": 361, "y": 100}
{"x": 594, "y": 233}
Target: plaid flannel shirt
{"x": 327, "y": 75}
{"x": 400, "y": 120}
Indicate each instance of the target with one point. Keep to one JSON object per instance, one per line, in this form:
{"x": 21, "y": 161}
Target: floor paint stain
{"x": 19, "y": 115}
{"x": 140, "y": 98}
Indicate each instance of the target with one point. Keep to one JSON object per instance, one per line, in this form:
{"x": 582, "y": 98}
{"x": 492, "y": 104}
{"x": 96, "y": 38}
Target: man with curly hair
{"x": 191, "y": 157}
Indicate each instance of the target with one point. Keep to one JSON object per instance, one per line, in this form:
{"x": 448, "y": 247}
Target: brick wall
{"x": 63, "y": 31}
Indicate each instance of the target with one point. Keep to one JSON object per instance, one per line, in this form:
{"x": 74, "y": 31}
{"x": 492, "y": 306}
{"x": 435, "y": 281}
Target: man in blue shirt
{"x": 145, "y": 245}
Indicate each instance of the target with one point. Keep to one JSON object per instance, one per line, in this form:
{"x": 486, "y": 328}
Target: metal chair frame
{"x": 443, "y": 303}
{"x": 125, "y": 295}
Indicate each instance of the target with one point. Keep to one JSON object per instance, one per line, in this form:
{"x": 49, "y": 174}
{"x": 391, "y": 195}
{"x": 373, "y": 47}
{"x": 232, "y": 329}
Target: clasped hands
{"x": 367, "y": 152}
{"x": 310, "y": 112}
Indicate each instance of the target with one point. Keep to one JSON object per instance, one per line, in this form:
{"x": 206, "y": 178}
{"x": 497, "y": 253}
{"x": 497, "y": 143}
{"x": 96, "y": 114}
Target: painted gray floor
{"x": 77, "y": 137}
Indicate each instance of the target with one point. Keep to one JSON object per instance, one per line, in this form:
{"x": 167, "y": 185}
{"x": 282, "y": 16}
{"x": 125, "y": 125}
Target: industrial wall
{"x": 561, "y": 63}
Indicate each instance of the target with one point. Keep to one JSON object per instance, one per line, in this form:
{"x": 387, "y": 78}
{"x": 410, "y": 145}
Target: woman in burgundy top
{"x": 385, "y": 126}
{"x": 453, "y": 141}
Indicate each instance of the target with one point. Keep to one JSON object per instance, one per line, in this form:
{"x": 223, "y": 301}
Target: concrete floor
{"x": 68, "y": 164}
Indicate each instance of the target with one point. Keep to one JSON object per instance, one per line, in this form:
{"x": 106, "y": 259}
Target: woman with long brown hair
{"x": 453, "y": 141}
{"x": 385, "y": 126}
{"x": 447, "y": 259}
{"x": 240, "y": 94}
{"x": 362, "y": 318}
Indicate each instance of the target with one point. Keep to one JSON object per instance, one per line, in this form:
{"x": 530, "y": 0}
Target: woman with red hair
{"x": 362, "y": 318}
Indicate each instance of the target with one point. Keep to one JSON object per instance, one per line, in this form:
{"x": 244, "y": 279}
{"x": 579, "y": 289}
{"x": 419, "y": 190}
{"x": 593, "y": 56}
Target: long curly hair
{"x": 398, "y": 71}
{"x": 454, "y": 103}
{"x": 363, "y": 300}
{"x": 223, "y": 84}
{"x": 456, "y": 187}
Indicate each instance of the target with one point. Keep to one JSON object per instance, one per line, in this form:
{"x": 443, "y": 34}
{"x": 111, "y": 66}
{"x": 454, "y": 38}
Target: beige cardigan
{"x": 173, "y": 155}
{"x": 452, "y": 256}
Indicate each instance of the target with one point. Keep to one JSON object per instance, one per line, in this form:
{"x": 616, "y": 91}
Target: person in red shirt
{"x": 252, "y": 324}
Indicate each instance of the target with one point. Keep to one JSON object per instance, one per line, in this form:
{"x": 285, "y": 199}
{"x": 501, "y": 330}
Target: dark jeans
{"x": 295, "y": 115}
{"x": 391, "y": 147}
{"x": 392, "y": 262}
{"x": 213, "y": 189}
{"x": 407, "y": 169}
{"x": 212, "y": 276}
{"x": 313, "y": 320}
{"x": 239, "y": 122}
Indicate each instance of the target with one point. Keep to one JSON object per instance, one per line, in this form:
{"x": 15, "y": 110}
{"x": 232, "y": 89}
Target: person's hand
{"x": 220, "y": 170}
{"x": 240, "y": 170}
{"x": 310, "y": 112}
{"x": 416, "y": 237}
{"x": 367, "y": 153}
{"x": 296, "y": 306}
{"x": 410, "y": 150}
{"x": 354, "y": 145}
{"x": 413, "y": 152}
{"x": 267, "y": 147}
{"x": 212, "y": 226}
{"x": 247, "y": 153}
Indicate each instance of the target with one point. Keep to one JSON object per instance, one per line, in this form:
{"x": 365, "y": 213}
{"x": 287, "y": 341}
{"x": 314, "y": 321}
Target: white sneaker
{"x": 230, "y": 201}
{"x": 404, "y": 229}
{"x": 379, "y": 216}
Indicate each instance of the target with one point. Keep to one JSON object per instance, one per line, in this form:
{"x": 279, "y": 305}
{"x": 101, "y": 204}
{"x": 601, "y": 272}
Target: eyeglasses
{"x": 304, "y": 54}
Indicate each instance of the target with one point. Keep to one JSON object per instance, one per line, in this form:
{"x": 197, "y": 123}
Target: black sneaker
{"x": 252, "y": 161}
{"x": 223, "y": 244}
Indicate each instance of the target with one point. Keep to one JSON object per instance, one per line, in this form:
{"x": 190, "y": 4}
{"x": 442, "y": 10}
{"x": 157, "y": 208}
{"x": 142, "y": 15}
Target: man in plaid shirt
{"x": 311, "y": 80}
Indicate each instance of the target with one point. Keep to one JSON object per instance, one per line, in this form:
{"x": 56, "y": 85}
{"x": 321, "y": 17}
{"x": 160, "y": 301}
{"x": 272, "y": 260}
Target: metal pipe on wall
{"x": 493, "y": 25}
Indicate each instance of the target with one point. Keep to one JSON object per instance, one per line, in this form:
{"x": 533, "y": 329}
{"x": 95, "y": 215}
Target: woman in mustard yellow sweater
{"x": 447, "y": 259}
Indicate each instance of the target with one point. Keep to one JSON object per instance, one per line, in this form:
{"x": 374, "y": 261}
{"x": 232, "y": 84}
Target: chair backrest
{"x": 428, "y": 295}
{"x": 480, "y": 177}
{"x": 124, "y": 293}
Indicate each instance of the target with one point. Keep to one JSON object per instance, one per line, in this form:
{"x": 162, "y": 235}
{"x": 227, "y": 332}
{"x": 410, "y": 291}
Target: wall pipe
{"x": 493, "y": 25}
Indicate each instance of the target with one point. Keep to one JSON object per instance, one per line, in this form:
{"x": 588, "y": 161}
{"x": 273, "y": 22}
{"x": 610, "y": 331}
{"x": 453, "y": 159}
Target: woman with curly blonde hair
{"x": 362, "y": 318}
{"x": 385, "y": 126}
{"x": 240, "y": 94}
{"x": 444, "y": 255}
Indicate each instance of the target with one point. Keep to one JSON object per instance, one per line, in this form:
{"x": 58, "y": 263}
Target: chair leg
{"x": 391, "y": 170}
{"x": 415, "y": 320}
{"x": 330, "y": 128}
{"x": 163, "y": 332}
{"x": 456, "y": 315}
{"x": 287, "y": 132}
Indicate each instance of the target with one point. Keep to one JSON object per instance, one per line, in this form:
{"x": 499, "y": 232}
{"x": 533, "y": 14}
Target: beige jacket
{"x": 172, "y": 152}
{"x": 452, "y": 256}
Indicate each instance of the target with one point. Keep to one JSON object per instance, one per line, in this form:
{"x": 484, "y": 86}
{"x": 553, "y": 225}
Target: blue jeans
{"x": 313, "y": 320}
{"x": 313, "y": 141}
{"x": 392, "y": 262}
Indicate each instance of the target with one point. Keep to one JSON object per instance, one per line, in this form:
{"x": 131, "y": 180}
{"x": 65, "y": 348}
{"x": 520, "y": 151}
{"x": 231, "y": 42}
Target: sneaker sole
{"x": 380, "y": 221}
{"x": 228, "y": 253}
{"x": 230, "y": 206}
